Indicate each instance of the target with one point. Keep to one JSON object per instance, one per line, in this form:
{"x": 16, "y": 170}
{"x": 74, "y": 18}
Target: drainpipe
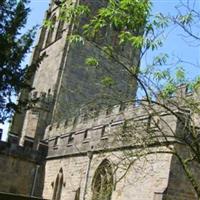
{"x": 90, "y": 155}
{"x": 34, "y": 180}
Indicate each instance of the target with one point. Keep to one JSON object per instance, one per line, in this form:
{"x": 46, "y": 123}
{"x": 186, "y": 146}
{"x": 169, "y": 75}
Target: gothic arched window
{"x": 103, "y": 182}
{"x": 58, "y": 186}
{"x": 60, "y": 29}
{"x": 51, "y": 31}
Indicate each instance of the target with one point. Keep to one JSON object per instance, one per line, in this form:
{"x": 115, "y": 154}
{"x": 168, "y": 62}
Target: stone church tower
{"x": 63, "y": 84}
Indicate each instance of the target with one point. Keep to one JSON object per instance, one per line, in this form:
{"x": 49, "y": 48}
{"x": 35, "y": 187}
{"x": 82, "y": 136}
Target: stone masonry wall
{"x": 18, "y": 170}
{"x": 179, "y": 187}
{"x": 80, "y": 85}
{"x": 143, "y": 180}
{"x": 100, "y": 131}
{"x": 16, "y": 176}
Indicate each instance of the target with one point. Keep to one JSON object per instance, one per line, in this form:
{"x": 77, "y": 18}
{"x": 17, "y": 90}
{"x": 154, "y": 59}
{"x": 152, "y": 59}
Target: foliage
{"x": 92, "y": 61}
{"x": 13, "y": 49}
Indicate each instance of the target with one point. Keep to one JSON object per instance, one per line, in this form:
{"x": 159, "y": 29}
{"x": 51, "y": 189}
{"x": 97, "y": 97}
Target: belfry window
{"x": 58, "y": 186}
{"x": 60, "y": 29}
{"x": 51, "y": 31}
{"x": 103, "y": 182}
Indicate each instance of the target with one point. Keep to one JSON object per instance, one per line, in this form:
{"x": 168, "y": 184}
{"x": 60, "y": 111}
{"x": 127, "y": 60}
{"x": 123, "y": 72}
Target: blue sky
{"x": 174, "y": 45}
{"x": 38, "y": 8}
{"x": 177, "y": 45}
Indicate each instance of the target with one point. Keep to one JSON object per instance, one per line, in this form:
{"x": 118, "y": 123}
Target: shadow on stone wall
{"x": 6, "y": 196}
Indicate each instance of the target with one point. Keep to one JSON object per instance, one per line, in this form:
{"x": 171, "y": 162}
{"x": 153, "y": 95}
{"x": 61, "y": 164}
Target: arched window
{"x": 60, "y": 29}
{"x": 58, "y": 186}
{"x": 103, "y": 182}
{"x": 51, "y": 31}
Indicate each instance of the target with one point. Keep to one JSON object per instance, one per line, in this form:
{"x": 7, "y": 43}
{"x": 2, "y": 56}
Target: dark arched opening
{"x": 58, "y": 186}
{"x": 51, "y": 31}
{"x": 60, "y": 29}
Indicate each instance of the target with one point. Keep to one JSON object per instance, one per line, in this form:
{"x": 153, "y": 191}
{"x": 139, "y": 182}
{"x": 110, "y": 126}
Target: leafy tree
{"x": 14, "y": 46}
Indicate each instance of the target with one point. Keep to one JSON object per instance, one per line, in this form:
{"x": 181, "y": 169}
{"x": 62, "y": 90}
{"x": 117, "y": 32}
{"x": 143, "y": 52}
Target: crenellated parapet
{"x": 94, "y": 119}
{"x": 97, "y": 131}
{"x": 24, "y": 152}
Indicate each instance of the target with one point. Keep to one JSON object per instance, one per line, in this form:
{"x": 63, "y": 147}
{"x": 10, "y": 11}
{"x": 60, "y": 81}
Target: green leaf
{"x": 91, "y": 61}
{"x": 180, "y": 75}
{"x": 48, "y": 23}
{"x": 160, "y": 59}
{"x": 185, "y": 19}
{"x": 160, "y": 21}
{"x": 107, "y": 81}
{"x": 195, "y": 84}
{"x": 162, "y": 75}
{"x": 76, "y": 39}
{"x": 168, "y": 90}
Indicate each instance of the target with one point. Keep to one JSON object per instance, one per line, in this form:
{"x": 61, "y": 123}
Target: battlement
{"x": 11, "y": 148}
{"x": 99, "y": 130}
{"x": 102, "y": 132}
{"x": 90, "y": 130}
{"x": 115, "y": 114}
{"x": 112, "y": 114}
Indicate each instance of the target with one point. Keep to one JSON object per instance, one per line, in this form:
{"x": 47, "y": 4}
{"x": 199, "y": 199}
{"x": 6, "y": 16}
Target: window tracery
{"x": 103, "y": 182}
